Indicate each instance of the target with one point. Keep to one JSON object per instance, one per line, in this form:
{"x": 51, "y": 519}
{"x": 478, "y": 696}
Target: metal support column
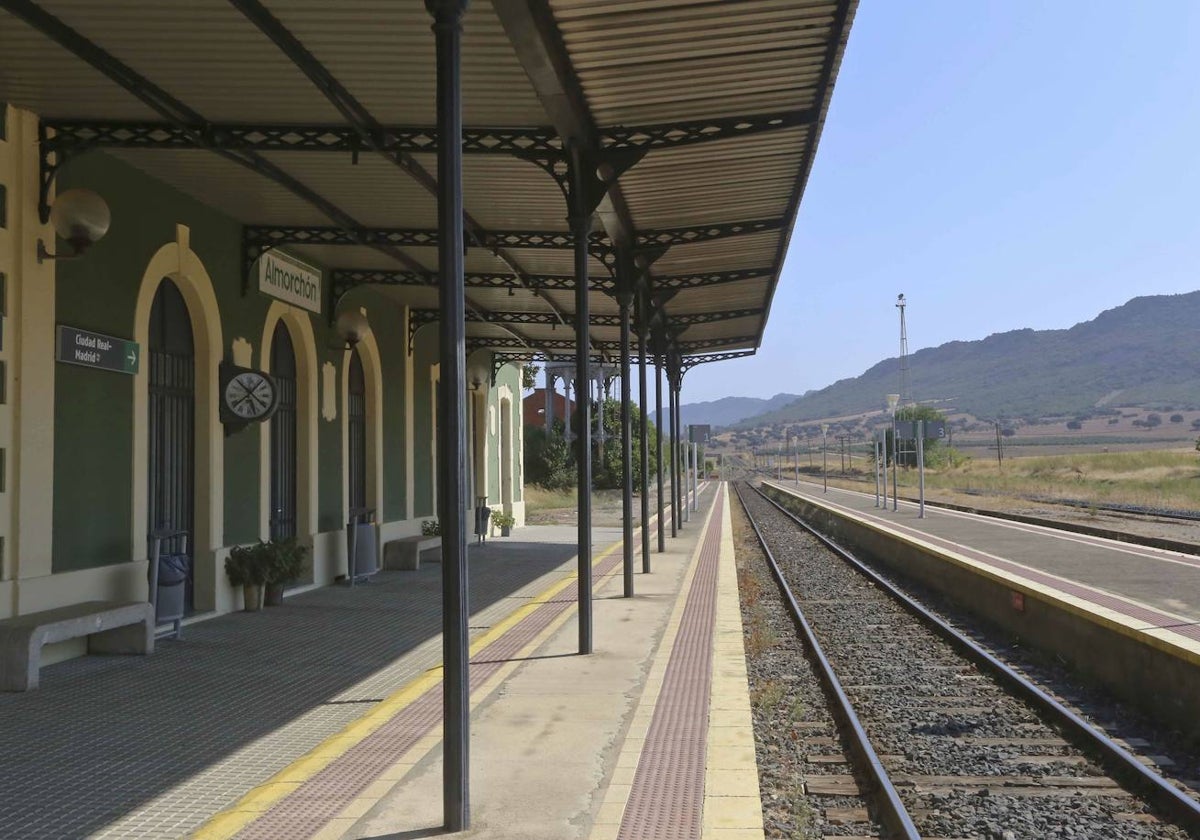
{"x": 695, "y": 476}
{"x": 644, "y": 450}
{"x": 658, "y": 412}
{"x": 675, "y": 520}
{"x": 676, "y": 439}
{"x": 685, "y": 472}
{"x": 625, "y": 302}
{"x": 580, "y": 219}
{"x": 452, "y": 418}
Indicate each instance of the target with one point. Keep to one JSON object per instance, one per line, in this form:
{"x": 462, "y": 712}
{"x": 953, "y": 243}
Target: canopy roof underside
{"x": 230, "y": 102}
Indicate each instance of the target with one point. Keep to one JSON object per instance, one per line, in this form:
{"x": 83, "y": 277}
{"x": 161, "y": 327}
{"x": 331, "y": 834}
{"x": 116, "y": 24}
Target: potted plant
{"x": 431, "y": 528}
{"x": 246, "y": 567}
{"x": 504, "y": 521}
{"x": 284, "y": 561}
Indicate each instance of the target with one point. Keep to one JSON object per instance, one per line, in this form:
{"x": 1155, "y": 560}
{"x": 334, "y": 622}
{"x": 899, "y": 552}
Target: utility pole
{"x": 905, "y": 384}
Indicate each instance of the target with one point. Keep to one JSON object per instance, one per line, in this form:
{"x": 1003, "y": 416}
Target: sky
{"x": 1004, "y": 165}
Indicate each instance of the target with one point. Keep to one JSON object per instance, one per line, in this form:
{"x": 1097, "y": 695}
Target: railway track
{"x": 944, "y": 740}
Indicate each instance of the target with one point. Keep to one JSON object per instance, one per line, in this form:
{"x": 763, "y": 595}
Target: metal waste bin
{"x": 362, "y": 548}
{"x": 168, "y": 573}
{"x": 483, "y": 513}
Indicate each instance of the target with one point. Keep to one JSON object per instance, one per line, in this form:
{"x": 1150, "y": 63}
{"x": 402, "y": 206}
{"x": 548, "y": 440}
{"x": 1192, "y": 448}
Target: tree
{"x": 529, "y": 377}
{"x": 1074, "y": 425}
{"x": 548, "y": 460}
{"x": 607, "y": 472}
{"x": 1176, "y": 418}
{"x": 1153, "y": 420}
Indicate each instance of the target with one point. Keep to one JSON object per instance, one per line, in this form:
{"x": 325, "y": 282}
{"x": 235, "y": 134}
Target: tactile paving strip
{"x": 311, "y": 806}
{"x": 667, "y": 796}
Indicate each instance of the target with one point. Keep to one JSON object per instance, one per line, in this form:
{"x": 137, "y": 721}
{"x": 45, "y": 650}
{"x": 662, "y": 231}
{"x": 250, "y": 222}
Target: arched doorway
{"x": 356, "y": 414}
{"x": 283, "y": 514}
{"x": 171, "y": 424}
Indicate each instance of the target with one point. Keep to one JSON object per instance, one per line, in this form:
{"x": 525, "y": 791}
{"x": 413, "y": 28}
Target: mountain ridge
{"x": 1143, "y": 352}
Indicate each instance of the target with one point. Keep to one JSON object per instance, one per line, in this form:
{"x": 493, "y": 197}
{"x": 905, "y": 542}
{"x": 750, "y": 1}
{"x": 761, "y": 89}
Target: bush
{"x": 1074, "y": 425}
{"x": 1176, "y": 418}
{"x": 247, "y": 565}
{"x": 431, "y": 528}
{"x": 1153, "y": 420}
{"x": 284, "y": 560}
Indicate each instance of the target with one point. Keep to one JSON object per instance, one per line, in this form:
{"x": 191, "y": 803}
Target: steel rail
{"x": 1116, "y": 759}
{"x": 895, "y": 815}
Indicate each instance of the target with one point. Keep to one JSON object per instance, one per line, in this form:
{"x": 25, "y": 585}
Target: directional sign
{"x": 934, "y": 429}
{"x": 94, "y": 350}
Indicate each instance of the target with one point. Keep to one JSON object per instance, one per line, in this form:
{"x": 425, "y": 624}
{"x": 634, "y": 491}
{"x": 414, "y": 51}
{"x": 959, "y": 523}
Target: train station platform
{"x": 322, "y": 718}
{"x": 1155, "y": 589}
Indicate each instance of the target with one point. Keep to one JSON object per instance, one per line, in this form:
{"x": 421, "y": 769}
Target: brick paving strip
{"x": 666, "y": 798}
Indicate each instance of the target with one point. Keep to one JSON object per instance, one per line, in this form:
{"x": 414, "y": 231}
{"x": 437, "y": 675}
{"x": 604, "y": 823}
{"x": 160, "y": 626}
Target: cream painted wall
{"x": 29, "y": 352}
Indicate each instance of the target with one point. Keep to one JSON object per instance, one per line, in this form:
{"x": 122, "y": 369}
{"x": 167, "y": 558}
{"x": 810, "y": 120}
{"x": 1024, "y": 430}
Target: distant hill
{"x": 727, "y": 411}
{"x": 1143, "y": 353}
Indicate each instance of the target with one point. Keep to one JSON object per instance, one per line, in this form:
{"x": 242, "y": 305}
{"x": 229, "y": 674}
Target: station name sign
{"x": 290, "y": 280}
{"x": 95, "y": 350}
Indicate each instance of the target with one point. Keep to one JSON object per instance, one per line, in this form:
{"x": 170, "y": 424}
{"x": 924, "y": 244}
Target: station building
{"x": 99, "y": 450}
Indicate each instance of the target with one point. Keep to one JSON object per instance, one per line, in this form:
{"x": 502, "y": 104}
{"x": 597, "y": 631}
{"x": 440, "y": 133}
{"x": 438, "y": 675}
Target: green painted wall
{"x": 93, "y": 409}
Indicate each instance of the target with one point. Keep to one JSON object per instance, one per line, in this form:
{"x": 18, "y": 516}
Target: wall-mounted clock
{"x": 247, "y": 395}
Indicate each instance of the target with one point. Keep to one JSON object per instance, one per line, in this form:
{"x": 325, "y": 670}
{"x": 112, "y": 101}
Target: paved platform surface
{"x": 1153, "y": 590}
{"x": 322, "y": 718}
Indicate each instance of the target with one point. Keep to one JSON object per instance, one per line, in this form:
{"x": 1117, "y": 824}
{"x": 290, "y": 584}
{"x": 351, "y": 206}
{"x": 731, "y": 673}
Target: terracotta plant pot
{"x": 273, "y": 595}
{"x": 252, "y": 597}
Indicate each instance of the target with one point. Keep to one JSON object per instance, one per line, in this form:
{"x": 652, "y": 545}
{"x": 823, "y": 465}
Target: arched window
{"x": 283, "y": 436}
{"x": 172, "y": 399}
{"x": 357, "y": 438}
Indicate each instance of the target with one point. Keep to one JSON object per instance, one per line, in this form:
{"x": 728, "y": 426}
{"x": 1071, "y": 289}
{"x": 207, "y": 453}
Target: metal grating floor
{"x": 666, "y": 800}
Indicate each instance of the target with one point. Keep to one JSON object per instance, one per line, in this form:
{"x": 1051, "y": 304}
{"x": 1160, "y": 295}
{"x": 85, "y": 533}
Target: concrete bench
{"x": 404, "y": 554}
{"x": 110, "y": 627}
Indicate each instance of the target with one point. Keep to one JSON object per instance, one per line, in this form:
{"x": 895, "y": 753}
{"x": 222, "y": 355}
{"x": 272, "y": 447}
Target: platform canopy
{"x": 311, "y": 122}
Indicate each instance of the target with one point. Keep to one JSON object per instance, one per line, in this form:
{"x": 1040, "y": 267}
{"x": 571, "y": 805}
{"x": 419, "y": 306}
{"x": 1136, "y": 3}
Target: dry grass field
{"x": 1154, "y": 478}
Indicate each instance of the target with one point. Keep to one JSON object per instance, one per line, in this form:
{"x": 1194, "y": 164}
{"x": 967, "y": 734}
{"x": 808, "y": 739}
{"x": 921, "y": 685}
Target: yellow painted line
{"x": 225, "y": 824}
{"x": 1159, "y": 638}
{"x": 364, "y": 802}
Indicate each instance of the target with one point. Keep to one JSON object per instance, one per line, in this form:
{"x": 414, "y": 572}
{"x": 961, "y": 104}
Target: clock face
{"x": 250, "y": 395}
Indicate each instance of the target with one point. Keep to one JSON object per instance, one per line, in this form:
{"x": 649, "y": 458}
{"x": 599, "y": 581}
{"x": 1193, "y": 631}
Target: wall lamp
{"x": 351, "y": 327}
{"x": 81, "y": 217}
